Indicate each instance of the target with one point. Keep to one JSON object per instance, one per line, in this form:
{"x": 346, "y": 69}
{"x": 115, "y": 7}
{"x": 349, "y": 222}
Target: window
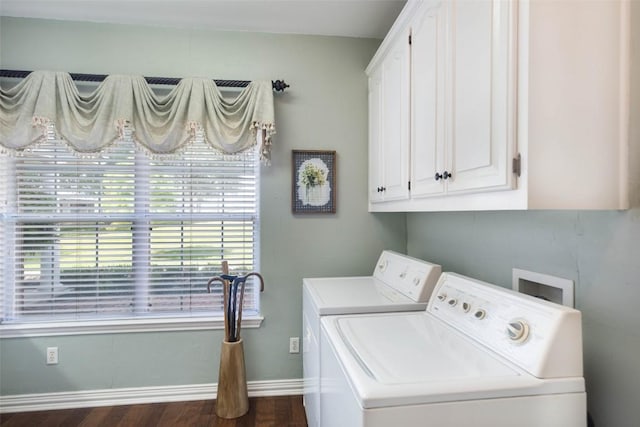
{"x": 122, "y": 235}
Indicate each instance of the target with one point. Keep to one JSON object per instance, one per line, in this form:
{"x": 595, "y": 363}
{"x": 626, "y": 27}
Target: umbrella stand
{"x": 232, "y": 400}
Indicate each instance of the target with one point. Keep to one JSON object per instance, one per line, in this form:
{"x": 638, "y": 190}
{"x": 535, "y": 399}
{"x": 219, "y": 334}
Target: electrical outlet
{"x": 294, "y": 345}
{"x": 52, "y": 355}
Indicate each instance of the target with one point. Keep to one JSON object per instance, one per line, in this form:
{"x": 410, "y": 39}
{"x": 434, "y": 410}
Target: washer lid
{"x": 412, "y": 349}
{"x": 346, "y": 295}
{"x": 413, "y": 358}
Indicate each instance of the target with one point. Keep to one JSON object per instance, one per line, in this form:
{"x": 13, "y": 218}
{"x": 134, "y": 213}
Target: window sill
{"x": 121, "y": 326}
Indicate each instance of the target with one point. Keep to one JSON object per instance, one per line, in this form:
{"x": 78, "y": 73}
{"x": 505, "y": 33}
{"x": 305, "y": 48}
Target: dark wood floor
{"x": 285, "y": 411}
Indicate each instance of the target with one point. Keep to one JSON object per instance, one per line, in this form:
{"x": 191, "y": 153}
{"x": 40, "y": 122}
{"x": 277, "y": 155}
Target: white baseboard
{"x": 138, "y": 395}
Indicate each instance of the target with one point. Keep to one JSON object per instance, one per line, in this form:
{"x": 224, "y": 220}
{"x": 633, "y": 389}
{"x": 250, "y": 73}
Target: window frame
{"x": 134, "y": 321}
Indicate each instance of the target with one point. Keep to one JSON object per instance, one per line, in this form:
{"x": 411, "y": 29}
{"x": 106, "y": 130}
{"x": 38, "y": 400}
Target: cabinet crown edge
{"x": 400, "y": 24}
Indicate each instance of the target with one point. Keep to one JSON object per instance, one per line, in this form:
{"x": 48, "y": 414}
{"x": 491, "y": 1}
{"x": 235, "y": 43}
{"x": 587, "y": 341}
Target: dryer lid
{"x": 399, "y": 283}
{"x": 342, "y": 295}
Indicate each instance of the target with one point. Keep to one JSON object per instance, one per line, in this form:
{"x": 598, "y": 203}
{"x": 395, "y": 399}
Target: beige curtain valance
{"x": 163, "y": 125}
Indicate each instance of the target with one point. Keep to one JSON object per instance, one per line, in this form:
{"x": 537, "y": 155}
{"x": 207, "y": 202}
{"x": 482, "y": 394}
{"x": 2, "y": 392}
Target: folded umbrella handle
{"x": 255, "y": 273}
{"x": 214, "y": 279}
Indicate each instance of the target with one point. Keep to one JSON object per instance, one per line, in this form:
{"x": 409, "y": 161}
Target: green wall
{"x": 326, "y": 108}
{"x": 599, "y": 250}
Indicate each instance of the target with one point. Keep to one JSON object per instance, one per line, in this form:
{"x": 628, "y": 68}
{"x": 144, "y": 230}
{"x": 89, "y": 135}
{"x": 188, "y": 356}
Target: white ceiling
{"x": 352, "y": 18}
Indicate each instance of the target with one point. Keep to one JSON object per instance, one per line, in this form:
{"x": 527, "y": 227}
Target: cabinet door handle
{"x": 447, "y": 175}
{"x": 438, "y": 176}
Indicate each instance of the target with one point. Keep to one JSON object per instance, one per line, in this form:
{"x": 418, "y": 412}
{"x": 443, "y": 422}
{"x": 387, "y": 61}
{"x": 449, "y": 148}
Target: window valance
{"x": 48, "y": 104}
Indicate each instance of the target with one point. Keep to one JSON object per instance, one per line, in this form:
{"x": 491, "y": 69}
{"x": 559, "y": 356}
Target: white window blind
{"x": 123, "y": 235}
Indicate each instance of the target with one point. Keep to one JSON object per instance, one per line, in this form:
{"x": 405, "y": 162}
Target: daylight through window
{"x": 122, "y": 235}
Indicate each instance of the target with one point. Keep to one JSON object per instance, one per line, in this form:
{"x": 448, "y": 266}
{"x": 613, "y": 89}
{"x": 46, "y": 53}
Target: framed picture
{"x": 313, "y": 181}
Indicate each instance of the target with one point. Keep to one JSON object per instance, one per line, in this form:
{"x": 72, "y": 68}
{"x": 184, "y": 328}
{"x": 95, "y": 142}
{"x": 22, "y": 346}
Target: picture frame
{"x": 313, "y": 182}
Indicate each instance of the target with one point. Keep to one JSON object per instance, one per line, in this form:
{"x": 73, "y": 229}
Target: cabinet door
{"x": 482, "y": 90}
{"x": 395, "y": 120}
{"x": 427, "y": 100}
{"x": 376, "y": 177}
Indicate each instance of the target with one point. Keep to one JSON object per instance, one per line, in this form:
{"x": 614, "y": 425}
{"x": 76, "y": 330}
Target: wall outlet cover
{"x": 52, "y": 355}
{"x": 294, "y": 345}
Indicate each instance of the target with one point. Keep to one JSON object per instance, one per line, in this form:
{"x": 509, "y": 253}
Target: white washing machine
{"x": 480, "y": 355}
{"x": 399, "y": 284}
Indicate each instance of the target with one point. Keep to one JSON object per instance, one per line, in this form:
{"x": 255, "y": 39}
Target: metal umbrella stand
{"x": 233, "y": 399}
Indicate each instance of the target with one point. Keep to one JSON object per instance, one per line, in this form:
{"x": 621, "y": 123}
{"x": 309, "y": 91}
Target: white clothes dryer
{"x": 480, "y": 355}
{"x": 399, "y": 284}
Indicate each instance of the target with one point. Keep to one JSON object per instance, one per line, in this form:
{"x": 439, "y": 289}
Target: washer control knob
{"x": 442, "y": 297}
{"x": 383, "y": 265}
{"x": 466, "y": 307}
{"x": 518, "y": 330}
{"x": 452, "y": 302}
{"x": 480, "y": 314}
{"x": 416, "y": 281}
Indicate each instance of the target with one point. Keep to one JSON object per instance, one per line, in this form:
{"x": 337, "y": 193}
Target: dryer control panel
{"x": 541, "y": 337}
{"x": 411, "y": 277}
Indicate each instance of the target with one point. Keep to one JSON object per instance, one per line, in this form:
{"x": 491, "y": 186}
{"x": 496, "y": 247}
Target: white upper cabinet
{"x": 481, "y": 90}
{"x": 574, "y": 98}
{"x": 462, "y": 86}
{"x": 389, "y": 124}
{"x": 428, "y": 33}
{"x": 501, "y": 104}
